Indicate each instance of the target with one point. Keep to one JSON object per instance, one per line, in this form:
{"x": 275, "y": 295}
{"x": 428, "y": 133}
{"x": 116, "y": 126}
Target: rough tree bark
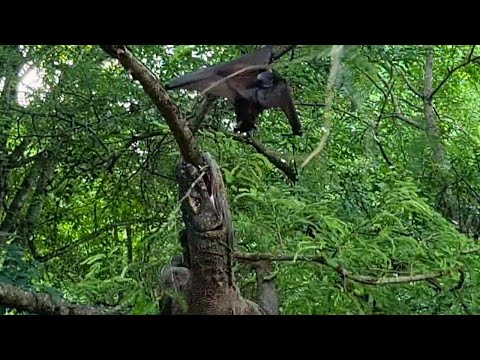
{"x": 43, "y": 304}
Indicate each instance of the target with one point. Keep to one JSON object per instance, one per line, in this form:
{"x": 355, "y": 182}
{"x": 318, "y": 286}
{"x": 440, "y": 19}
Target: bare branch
{"x": 43, "y": 304}
{"x": 471, "y": 52}
{"x": 252, "y": 257}
{"x": 462, "y": 179}
{"x": 384, "y": 153}
{"x": 409, "y": 103}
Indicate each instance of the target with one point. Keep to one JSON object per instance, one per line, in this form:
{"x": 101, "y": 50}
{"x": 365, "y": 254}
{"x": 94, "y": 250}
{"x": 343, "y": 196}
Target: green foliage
{"x": 376, "y": 202}
{"x": 15, "y": 268}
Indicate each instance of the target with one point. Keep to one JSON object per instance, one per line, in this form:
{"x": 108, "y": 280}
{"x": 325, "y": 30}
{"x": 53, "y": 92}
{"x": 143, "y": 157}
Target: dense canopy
{"x": 374, "y": 209}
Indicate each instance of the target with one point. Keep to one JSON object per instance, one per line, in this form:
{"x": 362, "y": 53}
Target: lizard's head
{"x": 201, "y": 192}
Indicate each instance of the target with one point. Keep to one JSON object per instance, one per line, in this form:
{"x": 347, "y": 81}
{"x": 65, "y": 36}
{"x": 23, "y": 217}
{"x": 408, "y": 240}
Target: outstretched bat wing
{"x": 280, "y": 96}
{"x": 213, "y": 78}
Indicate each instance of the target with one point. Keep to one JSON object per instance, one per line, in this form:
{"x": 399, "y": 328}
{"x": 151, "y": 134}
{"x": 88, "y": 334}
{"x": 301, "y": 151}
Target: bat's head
{"x": 265, "y": 79}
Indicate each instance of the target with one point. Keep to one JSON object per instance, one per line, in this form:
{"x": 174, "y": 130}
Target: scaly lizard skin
{"x": 205, "y": 208}
{"x": 221, "y": 204}
{"x": 209, "y": 239}
{"x": 209, "y": 234}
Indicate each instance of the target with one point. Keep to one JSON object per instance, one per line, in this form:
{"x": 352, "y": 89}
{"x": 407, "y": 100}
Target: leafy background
{"x": 89, "y": 199}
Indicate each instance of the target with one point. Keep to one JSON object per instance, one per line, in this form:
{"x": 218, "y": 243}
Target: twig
{"x": 410, "y": 86}
{"x": 282, "y": 50}
{"x": 399, "y": 115}
{"x": 187, "y": 194}
{"x": 375, "y": 83}
{"x": 450, "y": 72}
{"x": 379, "y": 118}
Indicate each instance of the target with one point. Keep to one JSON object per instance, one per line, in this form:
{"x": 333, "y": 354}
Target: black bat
{"x": 249, "y": 84}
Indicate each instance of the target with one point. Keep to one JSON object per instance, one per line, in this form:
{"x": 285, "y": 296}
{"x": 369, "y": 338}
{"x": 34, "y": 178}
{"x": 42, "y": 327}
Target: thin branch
{"x": 452, "y": 71}
{"x": 409, "y": 103}
{"x": 375, "y": 83}
{"x": 187, "y": 194}
{"x": 409, "y": 85}
{"x": 275, "y": 159}
{"x": 252, "y": 257}
{"x": 282, "y": 50}
{"x": 475, "y": 192}
{"x": 379, "y": 118}
{"x": 384, "y": 153}
{"x": 471, "y": 52}
{"x": 399, "y": 115}
{"x": 368, "y": 280}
